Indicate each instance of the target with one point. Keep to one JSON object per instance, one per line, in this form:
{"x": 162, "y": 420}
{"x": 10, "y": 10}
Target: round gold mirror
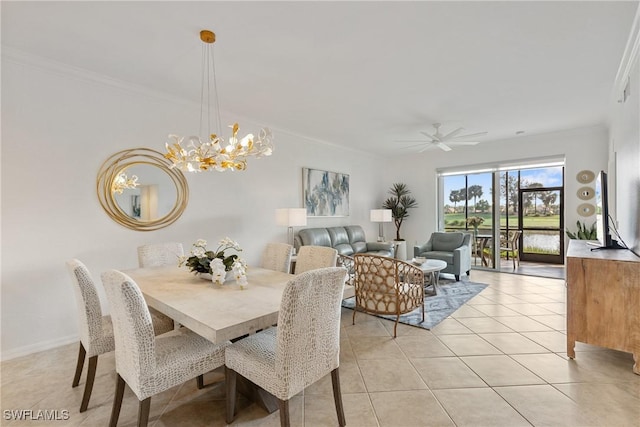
{"x": 138, "y": 189}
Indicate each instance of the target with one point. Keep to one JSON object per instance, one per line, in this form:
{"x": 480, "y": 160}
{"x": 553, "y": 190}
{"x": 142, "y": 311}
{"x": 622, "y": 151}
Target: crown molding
{"x": 83, "y": 75}
{"x": 629, "y": 58}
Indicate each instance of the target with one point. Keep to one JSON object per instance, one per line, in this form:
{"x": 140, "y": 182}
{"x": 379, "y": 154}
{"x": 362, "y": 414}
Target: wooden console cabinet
{"x": 603, "y": 299}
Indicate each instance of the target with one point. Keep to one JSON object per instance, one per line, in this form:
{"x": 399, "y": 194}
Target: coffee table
{"x": 432, "y": 267}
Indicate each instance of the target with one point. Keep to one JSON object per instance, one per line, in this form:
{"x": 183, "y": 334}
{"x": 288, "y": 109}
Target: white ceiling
{"x": 362, "y": 74}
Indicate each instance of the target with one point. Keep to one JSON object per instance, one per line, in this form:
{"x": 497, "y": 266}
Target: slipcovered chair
{"x": 387, "y": 286}
{"x": 302, "y": 349}
{"x": 157, "y": 255}
{"x": 277, "y": 256}
{"x": 148, "y": 364}
{"x": 313, "y": 257}
{"x": 454, "y": 248}
{"x": 96, "y": 330}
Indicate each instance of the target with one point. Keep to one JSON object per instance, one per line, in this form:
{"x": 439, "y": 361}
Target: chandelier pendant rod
{"x": 203, "y": 75}
{"x": 215, "y": 90}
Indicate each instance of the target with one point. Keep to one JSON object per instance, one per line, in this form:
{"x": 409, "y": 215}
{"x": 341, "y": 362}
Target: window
{"x": 529, "y": 199}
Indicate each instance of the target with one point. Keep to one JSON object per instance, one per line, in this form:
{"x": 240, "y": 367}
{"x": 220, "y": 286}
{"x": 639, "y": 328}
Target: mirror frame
{"x": 120, "y": 161}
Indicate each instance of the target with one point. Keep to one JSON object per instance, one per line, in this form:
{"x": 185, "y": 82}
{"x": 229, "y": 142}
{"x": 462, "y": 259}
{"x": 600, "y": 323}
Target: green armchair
{"x": 454, "y": 248}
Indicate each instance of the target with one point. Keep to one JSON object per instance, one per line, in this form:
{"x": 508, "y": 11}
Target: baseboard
{"x": 35, "y": 348}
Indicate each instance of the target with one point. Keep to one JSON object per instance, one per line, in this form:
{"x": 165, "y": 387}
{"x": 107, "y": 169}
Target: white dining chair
{"x": 96, "y": 331}
{"x": 314, "y": 257}
{"x": 159, "y": 254}
{"x": 150, "y": 365}
{"x": 277, "y": 256}
{"x": 301, "y": 350}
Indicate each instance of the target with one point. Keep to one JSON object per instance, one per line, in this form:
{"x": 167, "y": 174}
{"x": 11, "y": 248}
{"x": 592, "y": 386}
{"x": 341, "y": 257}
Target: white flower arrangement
{"x": 215, "y": 262}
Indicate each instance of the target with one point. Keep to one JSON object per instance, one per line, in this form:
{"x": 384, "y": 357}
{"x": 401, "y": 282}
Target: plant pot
{"x": 207, "y": 276}
{"x": 401, "y": 249}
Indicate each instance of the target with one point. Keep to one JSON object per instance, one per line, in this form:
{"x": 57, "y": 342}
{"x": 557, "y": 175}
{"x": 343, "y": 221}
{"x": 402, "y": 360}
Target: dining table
{"x": 219, "y": 313}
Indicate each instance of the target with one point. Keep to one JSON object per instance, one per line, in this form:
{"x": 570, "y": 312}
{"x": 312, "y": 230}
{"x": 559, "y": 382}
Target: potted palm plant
{"x": 400, "y": 202}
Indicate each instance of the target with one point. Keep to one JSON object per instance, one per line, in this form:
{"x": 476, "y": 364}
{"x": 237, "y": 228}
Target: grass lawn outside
{"x": 540, "y": 242}
{"x": 457, "y": 221}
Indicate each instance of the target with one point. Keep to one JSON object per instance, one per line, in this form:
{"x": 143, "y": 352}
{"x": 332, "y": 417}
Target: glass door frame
{"x": 545, "y": 258}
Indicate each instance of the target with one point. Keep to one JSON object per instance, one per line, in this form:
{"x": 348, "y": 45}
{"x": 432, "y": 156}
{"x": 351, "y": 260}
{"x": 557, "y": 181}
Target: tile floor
{"x": 498, "y": 361}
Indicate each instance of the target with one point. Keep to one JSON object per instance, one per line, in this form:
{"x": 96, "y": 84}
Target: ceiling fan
{"x": 443, "y": 142}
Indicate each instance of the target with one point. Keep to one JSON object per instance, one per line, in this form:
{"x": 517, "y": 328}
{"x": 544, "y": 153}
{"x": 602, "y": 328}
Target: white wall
{"x": 582, "y": 149}
{"x": 625, "y": 143}
{"x": 59, "y": 125}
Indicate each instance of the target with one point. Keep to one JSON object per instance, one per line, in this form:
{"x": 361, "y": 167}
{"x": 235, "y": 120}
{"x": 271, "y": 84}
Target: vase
{"x": 207, "y": 276}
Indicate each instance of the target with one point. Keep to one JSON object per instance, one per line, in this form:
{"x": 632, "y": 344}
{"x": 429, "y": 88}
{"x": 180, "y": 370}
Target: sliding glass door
{"x": 542, "y": 225}
{"x": 469, "y": 207}
{"x": 527, "y": 200}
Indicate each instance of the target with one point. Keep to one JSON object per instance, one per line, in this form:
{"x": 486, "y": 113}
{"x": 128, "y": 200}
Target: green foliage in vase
{"x": 583, "y": 232}
{"x": 200, "y": 259}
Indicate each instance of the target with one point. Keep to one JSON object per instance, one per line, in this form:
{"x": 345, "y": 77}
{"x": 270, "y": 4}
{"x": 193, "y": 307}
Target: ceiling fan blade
{"x": 463, "y": 142}
{"x": 433, "y": 137}
{"x": 471, "y": 135}
{"x": 429, "y": 146}
{"x": 452, "y": 134}
{"x": 416, "y": 145}
{"x": 444, "y": 147}
{"x": 411, "y": 140}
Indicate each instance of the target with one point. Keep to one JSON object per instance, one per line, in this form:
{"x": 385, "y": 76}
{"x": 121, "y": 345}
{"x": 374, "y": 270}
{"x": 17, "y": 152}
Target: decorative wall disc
{"x": 586, "y": 193}
{"x": 585, "y": 176}
{"x": 586, "y": 209}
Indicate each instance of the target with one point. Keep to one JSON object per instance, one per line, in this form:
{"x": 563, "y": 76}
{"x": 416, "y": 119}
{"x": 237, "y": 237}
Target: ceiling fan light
{"x": 438, "y": 140}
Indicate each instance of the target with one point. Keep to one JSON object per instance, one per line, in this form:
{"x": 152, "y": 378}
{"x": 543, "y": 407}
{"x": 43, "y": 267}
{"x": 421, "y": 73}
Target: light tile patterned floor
{"x": 499, "y": 361}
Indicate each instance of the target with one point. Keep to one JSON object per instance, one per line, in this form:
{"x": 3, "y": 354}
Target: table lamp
{"x": 291, "y": 217}
{"x": 380, "y": 216}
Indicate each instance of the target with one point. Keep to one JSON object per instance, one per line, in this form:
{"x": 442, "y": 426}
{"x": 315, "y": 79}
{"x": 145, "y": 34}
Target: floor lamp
{"x": 291, "y": 217}
{"x": 380, "y": 216}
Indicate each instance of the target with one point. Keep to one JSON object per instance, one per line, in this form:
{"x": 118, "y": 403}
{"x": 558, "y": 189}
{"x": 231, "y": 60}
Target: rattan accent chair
{"x": 96, "y": 330}
{"x": 301, "y": 350}
{"x": 314, "y": 257}
{"x": 277, "y": 256}
{"x": 387, "y": 286}
{"x": 147, "y": 364}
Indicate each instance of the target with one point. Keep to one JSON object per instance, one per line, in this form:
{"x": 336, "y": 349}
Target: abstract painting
{"x": 325, "y": 193}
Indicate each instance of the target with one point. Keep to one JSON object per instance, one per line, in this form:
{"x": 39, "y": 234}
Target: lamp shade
{"x": 381, "y": 215}
{"x": 291, "y": 217}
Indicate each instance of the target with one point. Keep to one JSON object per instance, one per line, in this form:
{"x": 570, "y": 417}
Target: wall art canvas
{"x": 325, "y": 193}
{"x": 135, "y": 206}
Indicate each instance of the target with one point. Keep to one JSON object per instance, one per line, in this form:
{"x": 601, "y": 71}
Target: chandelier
{"x": 122, "y": 182}
{"x": 193, "y": 154}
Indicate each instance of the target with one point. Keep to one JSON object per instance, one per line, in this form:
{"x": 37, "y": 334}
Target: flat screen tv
{"x": 602, "y": 214}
